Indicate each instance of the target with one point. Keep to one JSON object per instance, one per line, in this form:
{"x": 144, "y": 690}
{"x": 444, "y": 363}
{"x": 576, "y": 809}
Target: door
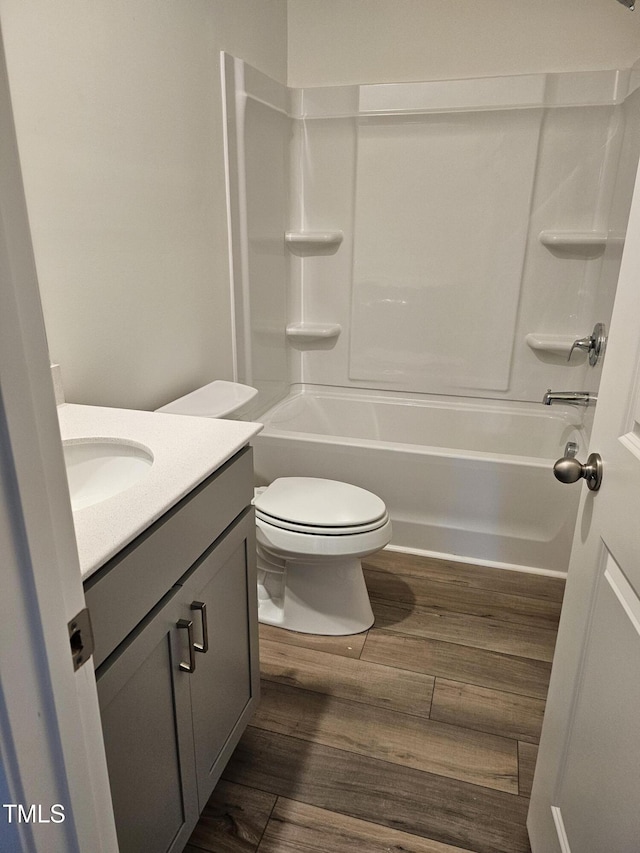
{"x": 585, "y": 792}
{"x": 50, "y": 741}
{"x": 145, "y": 707}
{"x": 219, "y": 596}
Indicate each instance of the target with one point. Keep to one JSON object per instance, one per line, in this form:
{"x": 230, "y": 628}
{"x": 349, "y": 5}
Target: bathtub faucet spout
{"x": 577, "y": 398}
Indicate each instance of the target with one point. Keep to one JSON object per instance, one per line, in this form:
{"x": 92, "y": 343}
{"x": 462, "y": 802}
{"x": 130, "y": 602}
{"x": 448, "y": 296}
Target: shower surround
{"x": 429, "y": 244}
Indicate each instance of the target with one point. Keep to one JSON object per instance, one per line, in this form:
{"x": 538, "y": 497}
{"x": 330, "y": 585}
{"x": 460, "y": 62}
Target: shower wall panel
{"x": 451, "y": 199}
{"x": 325, "y": 155}
{"x": 267, "y": 134}
{"x": 258, "y": 139}
{"x": 575, "y": 175}
{"x": 420, "y": 214}
{"x": 441, "y": 223}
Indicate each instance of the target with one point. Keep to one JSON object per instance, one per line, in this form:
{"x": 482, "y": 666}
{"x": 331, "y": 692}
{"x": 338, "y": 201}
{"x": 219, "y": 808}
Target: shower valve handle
{"x": 569, "y": 470}
{"x": 593, "y": 345}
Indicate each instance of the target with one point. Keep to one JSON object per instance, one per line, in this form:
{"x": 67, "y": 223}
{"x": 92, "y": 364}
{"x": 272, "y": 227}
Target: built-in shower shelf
{"x": 587, "y": 243}
{"x": 312, "y": 332}
{"x": 555, "y": 344}
{"x": 306, "y": 243}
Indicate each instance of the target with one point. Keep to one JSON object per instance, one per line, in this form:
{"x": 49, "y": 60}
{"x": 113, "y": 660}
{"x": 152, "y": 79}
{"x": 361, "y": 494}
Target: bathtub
{"x": 463, "y": 479}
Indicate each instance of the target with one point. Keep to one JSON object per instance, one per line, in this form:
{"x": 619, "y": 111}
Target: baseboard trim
{"x": 562, "y": 833}
{"x": 492, "y": 564}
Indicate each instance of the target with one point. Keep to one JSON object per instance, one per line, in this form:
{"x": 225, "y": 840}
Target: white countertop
{"x": 186, "y": 450}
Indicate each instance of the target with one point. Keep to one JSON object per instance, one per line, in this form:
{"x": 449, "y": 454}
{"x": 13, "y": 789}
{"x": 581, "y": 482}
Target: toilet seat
{"x": 319, "y": 529}
{"x": 316, "y": 506}
{"x": 294, "y": 546}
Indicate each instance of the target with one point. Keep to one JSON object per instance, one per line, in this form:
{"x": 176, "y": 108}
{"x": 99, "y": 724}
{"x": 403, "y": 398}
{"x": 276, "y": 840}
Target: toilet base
{"x": 328, "y": 598}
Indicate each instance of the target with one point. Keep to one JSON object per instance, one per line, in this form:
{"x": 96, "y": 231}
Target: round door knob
{"x": 569, "y": 470}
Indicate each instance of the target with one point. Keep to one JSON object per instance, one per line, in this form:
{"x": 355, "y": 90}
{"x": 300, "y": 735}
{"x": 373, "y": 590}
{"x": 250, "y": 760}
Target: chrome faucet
{"x": 577, "y": 398}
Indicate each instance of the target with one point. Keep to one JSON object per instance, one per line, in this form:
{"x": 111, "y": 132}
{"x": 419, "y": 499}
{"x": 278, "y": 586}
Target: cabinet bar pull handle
{"x": 202, "y": 607}
{"x": 191, "y": 666}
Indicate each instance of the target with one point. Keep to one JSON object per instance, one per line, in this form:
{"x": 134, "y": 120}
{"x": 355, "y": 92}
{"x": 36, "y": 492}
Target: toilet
{"x": 311, "y": 536}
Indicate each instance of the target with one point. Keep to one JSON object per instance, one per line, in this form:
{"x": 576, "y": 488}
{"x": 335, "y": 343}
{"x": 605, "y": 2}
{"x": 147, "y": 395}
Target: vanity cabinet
{"x": 178, "y": 688}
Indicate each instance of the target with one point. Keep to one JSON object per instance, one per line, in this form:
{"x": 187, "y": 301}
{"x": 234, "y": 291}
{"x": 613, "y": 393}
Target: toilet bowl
{"x": 311, "y": 535}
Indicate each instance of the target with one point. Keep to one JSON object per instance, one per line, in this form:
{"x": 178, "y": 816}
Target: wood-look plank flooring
{"x": 419, "y": 735}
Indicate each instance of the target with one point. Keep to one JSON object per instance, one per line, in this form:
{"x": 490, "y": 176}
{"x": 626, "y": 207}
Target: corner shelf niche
{"x": 310, "y": 333}
{"x": 554, "y": 344}
{"x": 589, "y": 244}
{"x": 307, "y": 243}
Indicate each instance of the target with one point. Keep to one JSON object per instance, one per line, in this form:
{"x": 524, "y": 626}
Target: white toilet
{"x": 311, "y": 535}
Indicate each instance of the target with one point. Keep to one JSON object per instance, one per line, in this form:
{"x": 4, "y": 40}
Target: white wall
{"x": 335, "y": 42}
{"x": 118, "y": 112}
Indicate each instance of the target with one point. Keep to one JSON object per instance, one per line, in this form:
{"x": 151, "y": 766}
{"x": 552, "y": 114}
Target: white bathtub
{"x": 468, "y": 479}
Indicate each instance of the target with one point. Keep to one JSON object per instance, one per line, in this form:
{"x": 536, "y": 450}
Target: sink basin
{"x": 98, "y": 469}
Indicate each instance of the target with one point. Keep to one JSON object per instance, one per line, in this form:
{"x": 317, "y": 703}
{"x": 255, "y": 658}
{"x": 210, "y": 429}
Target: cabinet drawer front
{"x": 157, "y": 559}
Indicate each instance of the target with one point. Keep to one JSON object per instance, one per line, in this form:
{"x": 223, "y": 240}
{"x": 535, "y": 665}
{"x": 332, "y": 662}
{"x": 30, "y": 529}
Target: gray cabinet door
{"x": 146, "y": 719}
{"x": 225, "y": 686}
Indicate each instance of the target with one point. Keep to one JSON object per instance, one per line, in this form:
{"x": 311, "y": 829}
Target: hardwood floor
{"x": 418, "y": 736}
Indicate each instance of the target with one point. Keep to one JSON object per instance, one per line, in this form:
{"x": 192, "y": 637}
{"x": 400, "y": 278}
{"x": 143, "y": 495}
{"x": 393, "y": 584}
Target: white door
{"x": 52, "y": 763}
{"x": 586, "y": 792}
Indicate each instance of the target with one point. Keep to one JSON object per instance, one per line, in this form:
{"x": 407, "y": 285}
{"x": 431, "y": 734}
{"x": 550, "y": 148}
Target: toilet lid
{"x": 316, "y": 503}
{"x": 317, "y": 530}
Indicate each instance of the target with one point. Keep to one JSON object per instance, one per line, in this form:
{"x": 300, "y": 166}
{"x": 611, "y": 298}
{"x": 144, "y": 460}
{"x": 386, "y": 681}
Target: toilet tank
{"x": 218, "y": 399}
